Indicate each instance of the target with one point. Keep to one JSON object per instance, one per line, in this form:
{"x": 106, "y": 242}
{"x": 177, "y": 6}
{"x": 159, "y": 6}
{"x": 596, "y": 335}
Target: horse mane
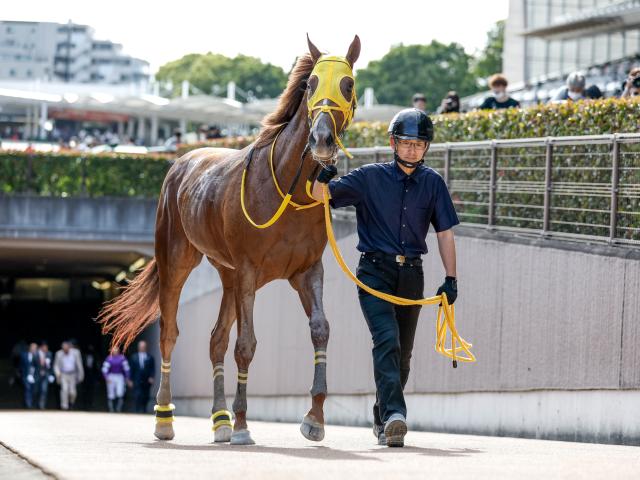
{"x": 288, "y": 102}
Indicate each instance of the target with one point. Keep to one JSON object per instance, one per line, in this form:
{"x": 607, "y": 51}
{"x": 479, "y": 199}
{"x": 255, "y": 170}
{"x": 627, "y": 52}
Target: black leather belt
{"x": 399, "y": 259}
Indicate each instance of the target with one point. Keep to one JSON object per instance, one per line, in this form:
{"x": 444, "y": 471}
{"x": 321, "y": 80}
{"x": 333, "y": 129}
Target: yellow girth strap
{"x": 458, "y": 344}
{"x": 330, "y": 70}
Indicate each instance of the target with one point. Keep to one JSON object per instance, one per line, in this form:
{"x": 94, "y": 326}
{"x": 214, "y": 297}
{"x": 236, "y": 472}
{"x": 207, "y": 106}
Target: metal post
{"x": 546, "y": 219}
{"x": 83, "y": 185}
{"x": 615, "y": 178}
{"x": 492, "y": 185}
{"x": 447, "y": 166}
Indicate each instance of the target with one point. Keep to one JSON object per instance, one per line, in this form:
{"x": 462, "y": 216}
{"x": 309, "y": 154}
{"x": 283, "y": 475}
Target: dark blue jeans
{"x": 392, "y": 328}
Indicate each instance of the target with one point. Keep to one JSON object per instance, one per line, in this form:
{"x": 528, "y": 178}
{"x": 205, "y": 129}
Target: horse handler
{"x": 395, "y": 203}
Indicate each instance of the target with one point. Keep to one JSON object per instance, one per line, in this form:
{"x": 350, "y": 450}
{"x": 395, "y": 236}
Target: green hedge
{"x": 551, "y": 120}
{"x": 72, "y": 174}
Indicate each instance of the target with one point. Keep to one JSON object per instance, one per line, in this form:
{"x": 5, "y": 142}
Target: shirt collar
{"x": 401, "y": 176}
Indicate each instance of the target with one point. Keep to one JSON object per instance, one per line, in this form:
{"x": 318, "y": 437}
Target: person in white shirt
{"x": 67, "y": 366}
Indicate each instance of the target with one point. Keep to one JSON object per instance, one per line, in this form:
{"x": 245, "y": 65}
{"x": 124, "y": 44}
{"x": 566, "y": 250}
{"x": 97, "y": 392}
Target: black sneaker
{"x": 378, "y": 432}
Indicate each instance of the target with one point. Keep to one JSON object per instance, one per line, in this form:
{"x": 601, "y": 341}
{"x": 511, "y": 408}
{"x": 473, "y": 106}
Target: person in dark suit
{"x": 45, "y": 374}
{"x": 29, "y": 373}
{"x": 143, "y": 368}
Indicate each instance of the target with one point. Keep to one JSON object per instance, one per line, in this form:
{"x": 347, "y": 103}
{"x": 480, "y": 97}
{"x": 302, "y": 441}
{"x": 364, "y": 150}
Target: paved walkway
{"x": 77, "y": 445}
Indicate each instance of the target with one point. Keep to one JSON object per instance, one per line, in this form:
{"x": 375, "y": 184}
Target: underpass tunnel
{"x": 53, "y": 292}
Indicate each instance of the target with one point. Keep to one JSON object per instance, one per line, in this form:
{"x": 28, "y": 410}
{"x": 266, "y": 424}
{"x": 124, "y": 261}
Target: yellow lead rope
{"x": 285, "y": 201}
{"x": 275, "y": 180}
{"x": 443, "y": 323}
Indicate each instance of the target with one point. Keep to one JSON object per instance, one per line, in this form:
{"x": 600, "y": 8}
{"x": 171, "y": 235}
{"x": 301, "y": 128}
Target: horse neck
{"x": 286, "y": 158}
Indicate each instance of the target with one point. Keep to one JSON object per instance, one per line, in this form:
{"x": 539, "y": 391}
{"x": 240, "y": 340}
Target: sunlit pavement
{"x": 78, "y": 445}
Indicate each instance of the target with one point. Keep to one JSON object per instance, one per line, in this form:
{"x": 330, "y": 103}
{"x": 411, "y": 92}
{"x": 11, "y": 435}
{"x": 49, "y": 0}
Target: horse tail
{"x": 127, "y": 315}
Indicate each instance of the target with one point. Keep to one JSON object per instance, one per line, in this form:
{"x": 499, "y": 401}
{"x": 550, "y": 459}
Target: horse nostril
{"x": 329, "y": 140}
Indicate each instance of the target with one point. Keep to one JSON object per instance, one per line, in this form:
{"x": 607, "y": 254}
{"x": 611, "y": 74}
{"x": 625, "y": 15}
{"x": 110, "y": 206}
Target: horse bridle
{"x": 330, "y": 70}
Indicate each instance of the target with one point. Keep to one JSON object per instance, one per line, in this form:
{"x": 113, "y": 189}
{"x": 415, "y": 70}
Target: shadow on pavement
{"x": 312, "y": 452}
{"x": 319, "y": 452}
{"x": 429, "y": 452}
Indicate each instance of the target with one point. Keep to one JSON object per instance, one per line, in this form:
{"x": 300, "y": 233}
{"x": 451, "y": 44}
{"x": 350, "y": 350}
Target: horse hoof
{"x": 222, "y": 434}
{"x": 242, "y": 437}
{"x": 164, "y": 432}
{"x": 311, "y": 430}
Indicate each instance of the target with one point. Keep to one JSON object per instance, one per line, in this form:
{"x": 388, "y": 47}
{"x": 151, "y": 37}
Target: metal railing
{"x": 580, "y": 188}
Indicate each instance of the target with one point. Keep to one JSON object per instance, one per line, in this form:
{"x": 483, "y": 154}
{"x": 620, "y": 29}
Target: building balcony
{"x": 618, "y": 16}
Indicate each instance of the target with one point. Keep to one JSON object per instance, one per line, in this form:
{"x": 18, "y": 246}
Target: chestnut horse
{"x": 199, "y": 213}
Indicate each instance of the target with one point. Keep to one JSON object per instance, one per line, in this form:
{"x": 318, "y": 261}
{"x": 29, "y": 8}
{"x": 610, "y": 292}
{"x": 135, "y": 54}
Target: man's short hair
{"x": 498, "y": 80}
{"x": 419, "y": 96}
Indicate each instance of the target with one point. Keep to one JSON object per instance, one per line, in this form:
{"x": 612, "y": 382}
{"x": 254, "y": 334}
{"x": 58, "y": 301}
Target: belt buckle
{"x": 400, "y": 259}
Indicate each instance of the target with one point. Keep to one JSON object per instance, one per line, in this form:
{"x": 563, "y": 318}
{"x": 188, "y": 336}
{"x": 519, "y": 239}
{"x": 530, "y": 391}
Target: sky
{"x": 272, "y": 30}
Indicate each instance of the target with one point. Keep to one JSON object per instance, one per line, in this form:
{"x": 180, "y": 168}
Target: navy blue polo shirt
{"x": 394, "y": 209}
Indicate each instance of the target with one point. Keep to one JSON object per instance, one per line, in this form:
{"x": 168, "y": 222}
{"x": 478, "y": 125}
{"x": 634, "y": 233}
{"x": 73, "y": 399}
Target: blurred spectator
{"x": 91, "y": 376}
{"x": 450, "y": 103}
{"x": 173, "y": 142}
{"x": 143, "y": 368}
{"x": 574, "y": 90}
{"x": 45, "y": 374}
{"x": 593, "y": 92}
{"x": 115, "y": 370}
{"x": 632, "y": 84}
{"x": 16, "y": 361}
{"x": 29, "y": 373}
{"x": 213, "y": 133}
{"x": 68, "y": 369}
{"x": 420, "y": 102}
{"x": 499, "y": 97}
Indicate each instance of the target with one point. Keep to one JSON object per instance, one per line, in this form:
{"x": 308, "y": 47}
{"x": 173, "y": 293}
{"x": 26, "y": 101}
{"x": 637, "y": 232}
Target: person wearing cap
{"x": 420, "y": 102}
{"x": 574, "y": 89}
{"x": 395, "y": 203}
{"x": 499, "y": 97}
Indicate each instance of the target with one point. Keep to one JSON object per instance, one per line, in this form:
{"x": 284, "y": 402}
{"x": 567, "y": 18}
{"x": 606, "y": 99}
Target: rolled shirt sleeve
{"x": 347, "y": 190}
{"x": 444, "y": 213}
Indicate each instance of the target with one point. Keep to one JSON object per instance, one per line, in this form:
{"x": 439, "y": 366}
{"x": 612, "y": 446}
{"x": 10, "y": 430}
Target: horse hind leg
{"x": 244, "y": 294}
{"x": 309, "y": 287}
{"x": 176, "y": 258}
{"x": 219, "y": 343}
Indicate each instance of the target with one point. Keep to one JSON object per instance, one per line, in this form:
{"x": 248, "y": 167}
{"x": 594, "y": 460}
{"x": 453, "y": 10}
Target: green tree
{"x": 211, "y": 72}
{"x": 432, "y": 69}
{"x": 490, "y": 60}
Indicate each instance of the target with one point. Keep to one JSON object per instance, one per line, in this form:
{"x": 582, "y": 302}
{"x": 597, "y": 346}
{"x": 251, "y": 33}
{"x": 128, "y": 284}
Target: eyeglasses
{"x": 406, "y": 145}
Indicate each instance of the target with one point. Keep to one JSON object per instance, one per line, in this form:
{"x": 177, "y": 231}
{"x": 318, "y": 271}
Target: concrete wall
{"x": 78, "y": 219}
{"x": 554, "y": 330}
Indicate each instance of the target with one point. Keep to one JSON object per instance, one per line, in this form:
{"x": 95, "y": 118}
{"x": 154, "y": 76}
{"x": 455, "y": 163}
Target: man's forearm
{"x": 447, "y": 247}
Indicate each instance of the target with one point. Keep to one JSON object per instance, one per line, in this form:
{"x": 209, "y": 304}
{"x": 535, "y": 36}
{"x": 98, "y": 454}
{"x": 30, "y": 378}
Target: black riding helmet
{"x": 410, "y": 124}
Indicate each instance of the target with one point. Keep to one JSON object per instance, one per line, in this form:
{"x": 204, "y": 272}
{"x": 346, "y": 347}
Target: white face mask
{"x": 500, "y": 95}
{"x": 575, "y": 95}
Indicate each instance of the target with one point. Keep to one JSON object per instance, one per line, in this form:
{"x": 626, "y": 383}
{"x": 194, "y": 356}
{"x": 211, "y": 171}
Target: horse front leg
{"x": 309, "y": 287}
{"x": 244, "y": 351}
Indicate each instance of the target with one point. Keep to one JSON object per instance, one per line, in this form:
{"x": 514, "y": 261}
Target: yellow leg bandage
{"x": 221, "y": 418}
{"x": 164, "y": 413}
